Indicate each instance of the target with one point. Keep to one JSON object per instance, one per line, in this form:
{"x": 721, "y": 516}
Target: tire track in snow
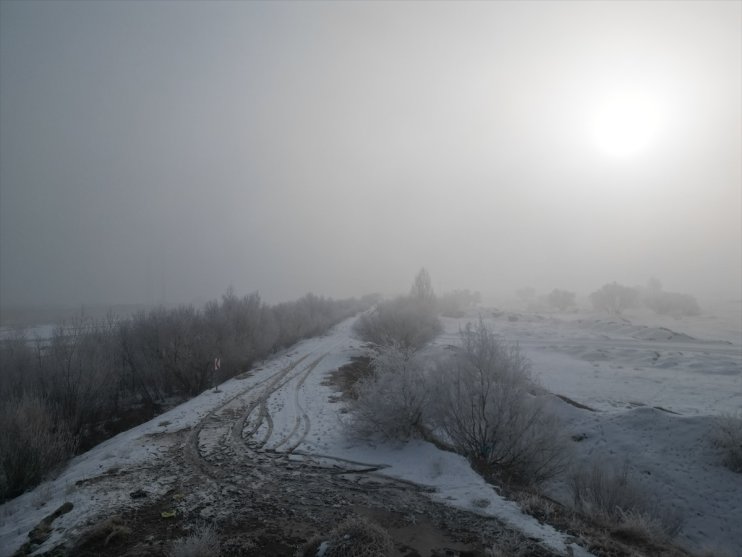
{"x": 193, "y": 453}
{"x": 302, "y": 417}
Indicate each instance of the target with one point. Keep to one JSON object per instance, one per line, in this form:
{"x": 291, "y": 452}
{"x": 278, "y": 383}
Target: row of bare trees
{"x": 92, "y": 379}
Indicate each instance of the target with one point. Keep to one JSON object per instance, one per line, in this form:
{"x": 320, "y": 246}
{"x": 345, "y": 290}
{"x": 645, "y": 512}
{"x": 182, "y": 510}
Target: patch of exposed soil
{"x": 345, "y": 377}
{"x": 286, "y": 512}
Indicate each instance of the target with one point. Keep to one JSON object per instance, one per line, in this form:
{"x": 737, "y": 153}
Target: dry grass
{"x": 109, "y": 531}
{"x": 610, "y": 497}
{"x": 203, "y": 542}
{"x": 356, "y": 537}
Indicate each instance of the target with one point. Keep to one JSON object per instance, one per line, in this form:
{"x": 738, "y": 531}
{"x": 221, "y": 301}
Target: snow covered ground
{"x": 621, "y": 368}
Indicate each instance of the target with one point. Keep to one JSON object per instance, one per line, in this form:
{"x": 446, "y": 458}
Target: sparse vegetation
{"x": 203, "y": 542}
{"x": 485, "y": 406}
{"x": 391, "y": 401}
{"x": 356, "y": 537}
{"x": 610, "y": 497}
{"x": 457, "y": 302}
{"x": 560, "y": 299}
{"x": 613, "y": 298}
{"x": 408, "y": 321}
{"x": 479, "y": 401}
{"x": 671, "y": 303}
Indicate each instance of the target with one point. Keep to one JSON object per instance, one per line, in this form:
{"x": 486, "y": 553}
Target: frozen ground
{"x": 622, "y": 368}
{"x": 656, "y": 385}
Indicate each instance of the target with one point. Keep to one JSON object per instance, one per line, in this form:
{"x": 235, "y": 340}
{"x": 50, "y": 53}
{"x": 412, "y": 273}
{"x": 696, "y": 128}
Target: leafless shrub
{"x": 614, "y": 298}
{"x": 457, "y": 302}
{"x": 356, "y": 537}
{"x": 203, "y": 542}
{"x": 669, "y": 303}
{"x": 609, "y": 496}
{"x": 484, "y": 406}
{"x": 509, "y": 544}
{"x": 728, "y": 436}
{"x": 33, "y": 441}
{"x": 406, "y": 322}
{"x": 390, "y": 402}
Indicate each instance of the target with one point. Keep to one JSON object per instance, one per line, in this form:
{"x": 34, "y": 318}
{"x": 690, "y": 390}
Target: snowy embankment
{"x": 608, "y": 365}
{"x": 655, "y": 385}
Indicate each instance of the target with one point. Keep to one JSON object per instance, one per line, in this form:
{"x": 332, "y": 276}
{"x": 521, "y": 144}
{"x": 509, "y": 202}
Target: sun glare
{"x": 625, "y": 124}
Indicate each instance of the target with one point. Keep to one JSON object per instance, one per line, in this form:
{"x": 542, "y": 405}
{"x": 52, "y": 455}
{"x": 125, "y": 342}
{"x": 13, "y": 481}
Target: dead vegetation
{"x": 356, "y": 537}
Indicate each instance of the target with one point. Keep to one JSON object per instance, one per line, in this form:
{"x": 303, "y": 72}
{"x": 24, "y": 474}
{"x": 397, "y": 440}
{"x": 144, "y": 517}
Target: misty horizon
{"x": 162, "y": 152}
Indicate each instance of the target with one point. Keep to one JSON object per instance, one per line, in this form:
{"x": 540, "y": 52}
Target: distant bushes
{"x": 404, "y": 322}
{"x": 202, "y": 542}
{"x": 408, "y": 321}
{"x": 457, "y": 302}
{"x": 672, "y": 303}
{"x": 614, "y": 298}
{"x": 560, "y": 299}
{"x": 354, "y": 537}
{"x": 94, "y": 379}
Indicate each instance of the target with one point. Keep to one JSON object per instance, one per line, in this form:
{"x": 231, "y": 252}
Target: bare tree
{"x": 422, "y": 288}
{"x": 560, "y": 299}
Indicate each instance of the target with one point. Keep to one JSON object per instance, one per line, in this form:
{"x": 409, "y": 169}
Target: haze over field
{"x": 160, "y": 151}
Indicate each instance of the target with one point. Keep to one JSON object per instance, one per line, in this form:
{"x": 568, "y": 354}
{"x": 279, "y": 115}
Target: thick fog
{"x": 162, "y": 151}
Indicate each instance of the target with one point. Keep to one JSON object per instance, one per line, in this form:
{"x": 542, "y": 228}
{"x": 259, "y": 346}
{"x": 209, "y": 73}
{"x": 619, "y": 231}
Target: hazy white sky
{"x": 170, "y": 149}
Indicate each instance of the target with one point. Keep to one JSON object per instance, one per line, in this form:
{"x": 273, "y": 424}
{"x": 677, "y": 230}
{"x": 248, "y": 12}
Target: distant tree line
{"x": 614, "y": 298}
{"x": 93, "y": 379}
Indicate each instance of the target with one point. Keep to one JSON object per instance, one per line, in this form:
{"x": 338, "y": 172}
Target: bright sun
{"x": 625, "y": 124}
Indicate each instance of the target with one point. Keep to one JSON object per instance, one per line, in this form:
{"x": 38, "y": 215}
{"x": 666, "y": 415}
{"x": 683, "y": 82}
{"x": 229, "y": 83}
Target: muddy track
{"x": 201, "y": 455}
{"x": 237, "y": 439}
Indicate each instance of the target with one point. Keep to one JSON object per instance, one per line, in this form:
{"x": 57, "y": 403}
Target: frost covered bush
{"x": 609, "y": 496}
{"x": 614, "y": 298}
{"x": 408, "y": 321}
{"x": 33, "y": 441}
{"x": 479, "y": 401}
{"x": 560, "y": 299}
{"x": 203, "y": 542}
{"x": 390, "y": 402}
{"x": 356, "y": 537}
{"x": 483, "y": 404}
{"x": 672, "y": 303}
{"x": 729, "y": 437}
{"x": 457, "y": 302}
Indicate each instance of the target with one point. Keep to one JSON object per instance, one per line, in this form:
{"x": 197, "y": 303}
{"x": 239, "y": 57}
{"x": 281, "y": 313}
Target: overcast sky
{"x": 163, "y": 151}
